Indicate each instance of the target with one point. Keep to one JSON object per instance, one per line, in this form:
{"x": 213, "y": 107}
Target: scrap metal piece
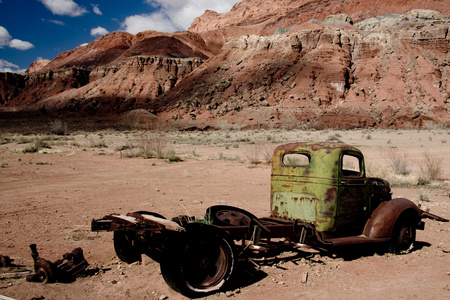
{"x": 62, "y": 270}
{"x": 5, "y": 261}
{"x": 115, "y": 222}
{"x": 428, "y": 215}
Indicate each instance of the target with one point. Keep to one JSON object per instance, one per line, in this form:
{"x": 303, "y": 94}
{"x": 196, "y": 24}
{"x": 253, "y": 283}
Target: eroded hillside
{"x": 321, "y": 63}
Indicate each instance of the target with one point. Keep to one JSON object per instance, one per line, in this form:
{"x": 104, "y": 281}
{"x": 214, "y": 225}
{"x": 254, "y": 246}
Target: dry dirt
{"x": 50, "y": 198}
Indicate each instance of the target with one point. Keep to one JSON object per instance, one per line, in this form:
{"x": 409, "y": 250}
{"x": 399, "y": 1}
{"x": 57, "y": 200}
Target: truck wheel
{"x": 125, "y": 246}
{"x": 403, "y": 235}
{"x": 44, "y": 271}
{"x": 225, "y": 215}
{"x": 200, "y": 262}
{"x": 154, "y": 243}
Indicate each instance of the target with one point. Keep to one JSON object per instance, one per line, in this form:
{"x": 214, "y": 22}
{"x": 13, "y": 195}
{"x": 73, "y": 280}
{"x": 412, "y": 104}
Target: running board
{"x": 353, "y": 240}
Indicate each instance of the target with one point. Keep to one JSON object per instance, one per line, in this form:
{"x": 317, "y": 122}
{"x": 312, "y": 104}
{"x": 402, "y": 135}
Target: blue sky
{"x": 41, "y": 29}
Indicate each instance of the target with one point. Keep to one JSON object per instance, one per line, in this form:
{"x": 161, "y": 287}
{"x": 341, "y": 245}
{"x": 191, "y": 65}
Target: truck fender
{"x": 383, "y": 218}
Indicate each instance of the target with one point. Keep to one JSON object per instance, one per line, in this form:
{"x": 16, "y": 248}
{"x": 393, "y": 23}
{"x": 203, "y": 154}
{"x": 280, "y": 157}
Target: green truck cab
{"x": 325, "y": 185}
{"x": 320, "y": 198}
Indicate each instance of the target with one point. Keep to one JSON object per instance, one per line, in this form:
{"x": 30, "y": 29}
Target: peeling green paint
{"x": 308, "y": 192}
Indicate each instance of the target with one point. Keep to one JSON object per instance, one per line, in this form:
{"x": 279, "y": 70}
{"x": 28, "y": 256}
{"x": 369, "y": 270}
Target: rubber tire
{"x": 199, "y": 262}
{"x": 154, "y": 245}
{"x": 44, "y": 271}
{"x": 403, "y": 235}
{"x": 125, "y": 246}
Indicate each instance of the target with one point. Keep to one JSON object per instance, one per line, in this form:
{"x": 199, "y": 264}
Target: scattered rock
{"x": 304, "y": 277}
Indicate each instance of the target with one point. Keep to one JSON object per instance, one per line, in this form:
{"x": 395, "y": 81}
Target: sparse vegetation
{"x": 78, "y": 234}
{"x": 153, "y": 144}
{"x": 97, "y": 144}
{"x": 58, "y": 127}
{"x": 397, "y": 160}
{"x": 430, "y": 167}
{"x": 252, "y": 153}
{"x": 38, "y": 144}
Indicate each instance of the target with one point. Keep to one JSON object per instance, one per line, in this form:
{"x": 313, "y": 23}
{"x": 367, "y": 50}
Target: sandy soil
{"x": 50, "y": 197}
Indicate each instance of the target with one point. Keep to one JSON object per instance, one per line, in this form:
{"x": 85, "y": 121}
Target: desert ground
{"x": 52, "y": 186}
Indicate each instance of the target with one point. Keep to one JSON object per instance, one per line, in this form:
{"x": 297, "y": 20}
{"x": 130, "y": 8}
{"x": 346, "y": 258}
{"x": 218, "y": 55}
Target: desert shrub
{"x": 98, "y": 144}
{"x": 267, "y": 150}
{"x": 153, "y": 144}
{"x": 24, "y": 140}
{"x": 395, "y": 180}
{"x": 78, "y": 234}
{"x": 335, "y": 138}
{"x": 5, "y": 140}
{"x": 397, "y": 160}
{"x": 424, "y": 196}
{"x": 58, "y": 127}
{"x": 36, "y": 146}
{"x": 172, "y": 157}
{"x": 430, "y": 168}
{"x": 252, "y": 153}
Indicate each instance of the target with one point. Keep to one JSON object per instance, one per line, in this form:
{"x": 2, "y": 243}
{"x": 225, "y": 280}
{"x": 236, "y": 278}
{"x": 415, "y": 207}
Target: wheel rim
{"x": 206, "y": 264}
{"x": 233, "y": 217}
{"x": 43, "y": 276}
{"x": 405, "y": 238}
{"x": 125, "y": 246}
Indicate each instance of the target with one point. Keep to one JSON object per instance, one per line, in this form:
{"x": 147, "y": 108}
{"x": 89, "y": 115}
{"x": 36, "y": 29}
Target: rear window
{"x": 296, "y": 159}
{"x": 351, "y": 166}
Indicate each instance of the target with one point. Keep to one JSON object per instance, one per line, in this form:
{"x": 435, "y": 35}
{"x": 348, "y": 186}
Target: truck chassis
{"x": 198, "y": 257}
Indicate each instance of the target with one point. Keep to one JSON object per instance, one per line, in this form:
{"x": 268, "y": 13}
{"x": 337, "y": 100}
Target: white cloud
{"x": 64, "y": 7}
{"x": 57, "y": 22}
{"x": 173, "y": 15}
{"x": 96, "y": 10}
{"x": 21, "y": 45}
{"x": 6, "y": 66}
{"x": 6, "y": 40}
{"x": 97, "y": 31}
{"x": 5, "y": 37}
{"x": 155, "y": 21}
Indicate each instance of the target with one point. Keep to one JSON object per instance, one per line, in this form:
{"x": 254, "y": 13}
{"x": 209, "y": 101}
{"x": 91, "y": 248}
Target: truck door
{"x": 353, "y": 205}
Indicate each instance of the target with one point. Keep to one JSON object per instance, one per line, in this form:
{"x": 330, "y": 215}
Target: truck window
{"x": 351, "y": 165}
{"x": 296, "y": 159}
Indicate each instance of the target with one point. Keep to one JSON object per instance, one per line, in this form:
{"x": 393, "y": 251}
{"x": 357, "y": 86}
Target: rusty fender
{"x": 383, "y": 218}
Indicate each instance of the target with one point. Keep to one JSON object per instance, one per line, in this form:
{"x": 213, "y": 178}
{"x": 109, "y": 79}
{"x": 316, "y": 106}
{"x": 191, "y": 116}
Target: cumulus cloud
{"x": 96, "y": 10}
{"x": 5, "y": 37}
{"x": 21, "y": 45}
{"x": 173, "y": 15}
{"x": 155, "y": 21}
{"x": 6, "y": 66}
{"x": 97, "y": 31}
{"x": 64, "y": 7}
{"x": 7, "y": 40}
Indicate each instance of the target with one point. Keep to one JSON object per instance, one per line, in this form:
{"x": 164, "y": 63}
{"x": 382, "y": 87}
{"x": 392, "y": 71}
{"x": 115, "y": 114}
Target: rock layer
{"x": 329, "y": 64}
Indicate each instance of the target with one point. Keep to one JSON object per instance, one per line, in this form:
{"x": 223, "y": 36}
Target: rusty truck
{"x": 320, "y": 198}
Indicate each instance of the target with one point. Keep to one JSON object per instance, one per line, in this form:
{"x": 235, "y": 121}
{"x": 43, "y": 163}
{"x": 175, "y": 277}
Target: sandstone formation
{"x": 38, "y": 65}
{"x": 263, "y": 64}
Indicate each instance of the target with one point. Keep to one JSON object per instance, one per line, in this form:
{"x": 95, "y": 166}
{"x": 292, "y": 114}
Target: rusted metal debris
{"x": 62, "y": 270}
{"x": 5, "y": 261}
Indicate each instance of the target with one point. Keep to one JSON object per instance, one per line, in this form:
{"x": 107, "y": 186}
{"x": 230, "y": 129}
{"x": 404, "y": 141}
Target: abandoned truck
{"x": 320, "y": 198}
